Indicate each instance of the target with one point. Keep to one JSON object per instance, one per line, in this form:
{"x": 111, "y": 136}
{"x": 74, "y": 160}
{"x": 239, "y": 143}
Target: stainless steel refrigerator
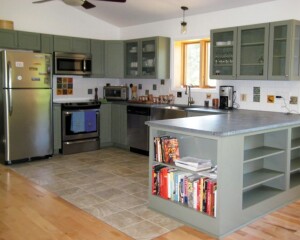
{"x": 25, "y": 106}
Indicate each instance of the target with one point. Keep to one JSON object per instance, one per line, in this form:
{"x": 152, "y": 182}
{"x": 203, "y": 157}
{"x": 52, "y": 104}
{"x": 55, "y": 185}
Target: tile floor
{"x": 110, "y": 184}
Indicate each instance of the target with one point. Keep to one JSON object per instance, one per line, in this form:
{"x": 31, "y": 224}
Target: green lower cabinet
{"x": 119, "y": 125}
{"x": 57, "y": 127}
{"x": 105, "y": 125}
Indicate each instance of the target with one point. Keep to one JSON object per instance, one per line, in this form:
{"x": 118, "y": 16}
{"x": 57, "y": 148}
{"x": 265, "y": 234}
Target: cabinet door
{"x": 8, "y": 39}
{"x": 119, "y": 125}
{"x": 97, "y": 51}
{"x": 29, "y": 41}
{"x": 57, "y": 127}
{"x": 114, "y": 59}
{"x": 62, "y": 44}
{"x": 46, "y": 43}
{"x": 252, "y": 54}
{"x": 81, "y": 45}
{"x": 148, "y": 58}
{"x": 115, "y": 123}
{"x": 123, "y": 125}
{"x": 132, "y": 59}
{"x": 223, "y": 53}
{"x": 105, "y": 124}
{"x": 284, "y": 51}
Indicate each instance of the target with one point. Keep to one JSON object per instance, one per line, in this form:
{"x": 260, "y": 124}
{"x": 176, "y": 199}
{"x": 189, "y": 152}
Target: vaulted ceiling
{"x": 136, "y": 12}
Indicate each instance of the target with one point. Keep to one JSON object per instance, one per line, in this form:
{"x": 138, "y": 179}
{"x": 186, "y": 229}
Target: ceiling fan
{"x": 83, "y": 3}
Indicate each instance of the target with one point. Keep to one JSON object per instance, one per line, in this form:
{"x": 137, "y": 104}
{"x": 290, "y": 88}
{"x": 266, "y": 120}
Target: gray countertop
{"x": 233, "y": 123}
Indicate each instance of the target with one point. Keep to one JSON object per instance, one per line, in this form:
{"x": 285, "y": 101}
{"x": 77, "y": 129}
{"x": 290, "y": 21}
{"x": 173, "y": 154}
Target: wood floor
{"x": 27, "y": 211}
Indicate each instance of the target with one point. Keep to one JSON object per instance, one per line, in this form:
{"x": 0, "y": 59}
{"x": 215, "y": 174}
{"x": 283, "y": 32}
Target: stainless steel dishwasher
{"x": 137, "y": 131}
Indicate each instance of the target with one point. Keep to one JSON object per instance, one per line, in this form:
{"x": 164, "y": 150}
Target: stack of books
{"x": 190, "y": 189}
{"x": 166, "y": 149}
{"x": 194, "y": 164}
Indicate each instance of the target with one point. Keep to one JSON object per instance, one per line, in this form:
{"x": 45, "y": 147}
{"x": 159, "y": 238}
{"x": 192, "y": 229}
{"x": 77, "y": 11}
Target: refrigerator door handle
{"x": 9, "y": 73}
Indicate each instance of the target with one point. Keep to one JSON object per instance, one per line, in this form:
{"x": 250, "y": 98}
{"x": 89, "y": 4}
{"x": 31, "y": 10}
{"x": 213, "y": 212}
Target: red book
{"x": 171, "y": 150}
{"x": 164, "y": 183}
{"x": 209, "y": 194}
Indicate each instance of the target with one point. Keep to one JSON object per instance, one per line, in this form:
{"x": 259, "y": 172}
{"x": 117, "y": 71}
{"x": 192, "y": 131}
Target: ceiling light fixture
{"x": 74, "y": 2}
{"x": 183, "y": 23}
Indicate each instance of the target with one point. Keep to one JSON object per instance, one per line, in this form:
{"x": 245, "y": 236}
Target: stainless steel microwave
{"x": 72, "y": 63}
{"x": 115, "y": 93}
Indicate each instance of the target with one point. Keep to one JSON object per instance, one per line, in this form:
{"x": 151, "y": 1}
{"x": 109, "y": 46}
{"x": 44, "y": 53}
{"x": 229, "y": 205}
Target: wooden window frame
{"x": 204, "y": 71}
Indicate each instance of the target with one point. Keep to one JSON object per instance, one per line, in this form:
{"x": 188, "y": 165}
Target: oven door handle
{"x": 69, "y": 113}
{"x": 81, "y": 141}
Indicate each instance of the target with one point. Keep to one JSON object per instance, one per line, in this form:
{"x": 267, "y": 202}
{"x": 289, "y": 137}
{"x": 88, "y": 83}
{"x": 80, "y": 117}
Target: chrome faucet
{"x": 188, "y": 92}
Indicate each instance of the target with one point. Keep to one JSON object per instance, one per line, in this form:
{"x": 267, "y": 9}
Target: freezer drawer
{"x": 27, "y": 126}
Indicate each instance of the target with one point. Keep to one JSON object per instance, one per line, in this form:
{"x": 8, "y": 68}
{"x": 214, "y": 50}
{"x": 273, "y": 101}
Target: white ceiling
{"x": 136, "y": 12}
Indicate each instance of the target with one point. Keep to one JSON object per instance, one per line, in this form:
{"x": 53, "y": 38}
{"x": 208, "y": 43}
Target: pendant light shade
{"x": 74, "y": 2}
{"x": 183, "y": 24}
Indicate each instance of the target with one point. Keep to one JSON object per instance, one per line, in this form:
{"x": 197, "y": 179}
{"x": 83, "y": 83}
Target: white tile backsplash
{"x": 285, "y": 89}
{"x": 81, "y": 86}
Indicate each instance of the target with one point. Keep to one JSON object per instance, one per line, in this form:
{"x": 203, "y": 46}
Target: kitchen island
{"x": 258, "y": 158}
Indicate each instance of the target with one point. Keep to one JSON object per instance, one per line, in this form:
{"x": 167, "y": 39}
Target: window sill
{"x": 205, "y": 90}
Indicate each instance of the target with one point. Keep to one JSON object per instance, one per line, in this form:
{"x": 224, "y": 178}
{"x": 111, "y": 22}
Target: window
{"x": 192, "y": 63}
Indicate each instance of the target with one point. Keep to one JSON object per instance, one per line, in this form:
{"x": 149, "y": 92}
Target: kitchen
{"x": 278, "y": 10}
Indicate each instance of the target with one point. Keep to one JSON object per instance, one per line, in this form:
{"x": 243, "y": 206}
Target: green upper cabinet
{"x": 147, "y": 58}
{"x": 72, "y": 44}
{"x": 284, "y": 50}
{"x": 20, "y": 40}
{"x": 258, "y": 52}
{"x": 114, "y": 59}
{"x": 46, "y": 43}
{"x": 131, "y": 59}
{"x": 29, "y": 41}
{"x": 223, "y": 53}
{"x": 8, "y": 39}
{"x": 252, "y": 52}
{"x": 98, "y": 51}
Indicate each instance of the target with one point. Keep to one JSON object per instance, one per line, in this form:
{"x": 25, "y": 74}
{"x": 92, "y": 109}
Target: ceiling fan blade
{"x": 120, "y": 1}
{"x": 42, "y": 1}
{"x": 87, "y": 5}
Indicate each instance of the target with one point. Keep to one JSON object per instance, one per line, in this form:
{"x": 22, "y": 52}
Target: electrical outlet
{"x": 243, "y": 97}
{"x": 270, "y": 99}
{"x": 208, "y": 96}
{"x": 293, "y": 100}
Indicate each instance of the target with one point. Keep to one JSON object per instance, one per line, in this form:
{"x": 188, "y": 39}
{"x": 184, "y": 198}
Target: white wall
{"x": 55, "y": 17}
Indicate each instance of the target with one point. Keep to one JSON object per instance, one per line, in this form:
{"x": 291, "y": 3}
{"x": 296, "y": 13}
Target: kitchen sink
{"x": 167, "y": 112}
{"x": 173, "y": 108}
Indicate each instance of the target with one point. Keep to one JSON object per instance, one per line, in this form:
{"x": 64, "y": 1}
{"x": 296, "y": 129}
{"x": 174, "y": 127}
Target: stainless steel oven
{"x": 80, "y": 127}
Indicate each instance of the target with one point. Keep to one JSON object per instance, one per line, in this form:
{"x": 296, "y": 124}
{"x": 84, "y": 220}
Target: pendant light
{"x": 183, "y": 23}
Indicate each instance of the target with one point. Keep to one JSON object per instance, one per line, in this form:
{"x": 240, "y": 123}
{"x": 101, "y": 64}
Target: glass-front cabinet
{"x": 284, "y": 50}
{"x": 267, "y": 51}
{"x": 223, "y": 49}
{"x": 147, "y": 58}
{"x": 131, "y": 59}
{"x": 252, "y": 52}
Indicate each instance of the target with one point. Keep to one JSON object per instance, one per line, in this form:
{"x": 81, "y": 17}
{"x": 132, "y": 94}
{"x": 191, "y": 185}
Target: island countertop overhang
{"x": 231, "y": 123}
